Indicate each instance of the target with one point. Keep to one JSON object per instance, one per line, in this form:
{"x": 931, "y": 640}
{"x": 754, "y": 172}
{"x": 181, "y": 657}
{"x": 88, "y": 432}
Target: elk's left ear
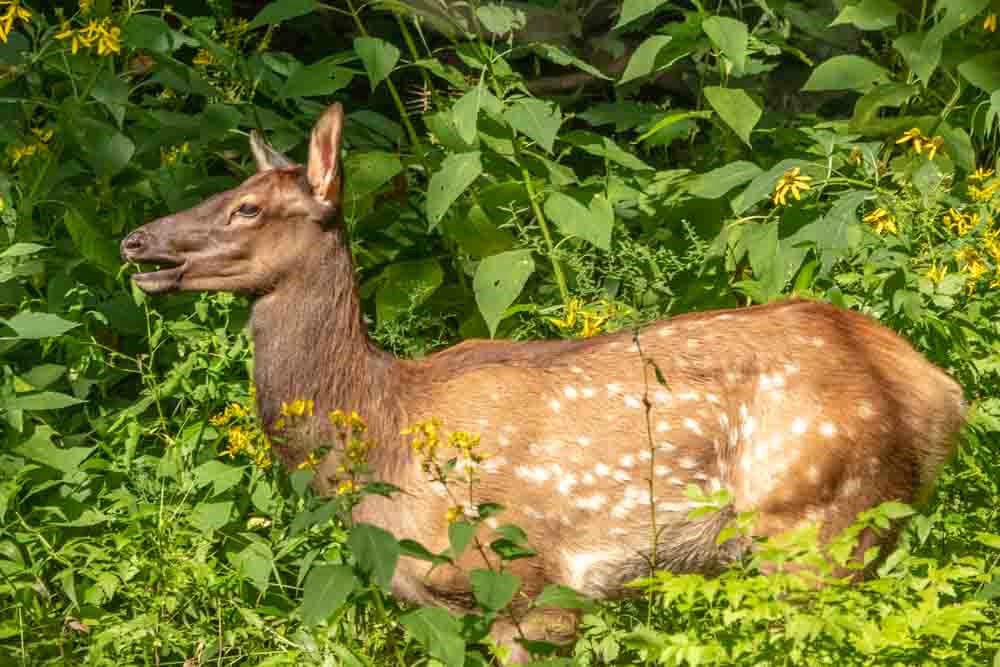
{"x": 266, "y": 157}
{"x": 323, "y": 171}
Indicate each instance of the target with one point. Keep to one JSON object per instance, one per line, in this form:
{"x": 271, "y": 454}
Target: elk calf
{"x": 801, "y": 410}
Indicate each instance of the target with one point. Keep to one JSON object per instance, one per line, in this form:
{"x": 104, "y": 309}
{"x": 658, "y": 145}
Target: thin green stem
{"x": 542, "y": 224}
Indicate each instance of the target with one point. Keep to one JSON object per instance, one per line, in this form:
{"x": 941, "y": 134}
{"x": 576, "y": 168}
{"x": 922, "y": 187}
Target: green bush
{"x": 544, "y": 169}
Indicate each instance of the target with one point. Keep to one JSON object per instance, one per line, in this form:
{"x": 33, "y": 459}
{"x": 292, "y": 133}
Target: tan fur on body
{"x": 803, "y": 411}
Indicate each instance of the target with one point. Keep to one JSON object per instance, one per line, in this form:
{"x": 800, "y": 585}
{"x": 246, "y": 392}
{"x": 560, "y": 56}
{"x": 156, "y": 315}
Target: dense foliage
{"x": 523, "y": 170}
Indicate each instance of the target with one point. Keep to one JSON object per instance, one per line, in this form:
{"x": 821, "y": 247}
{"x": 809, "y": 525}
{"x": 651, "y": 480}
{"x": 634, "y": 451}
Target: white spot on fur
{"x": 817, "y": 341}
{"x": 627, "y": 461}
{"x": 575, "y": 369}
{"x": 749, "y": 426}
{"x": 662, "y": 471}
{"x": 439, "y": 489}
{"x": 592, "y": 503}
{"x": 554, "y": 405}
{"x": 503, "y": 440}
{"x": 617, "y": 532}
{"x": 493, "y": 523}
{"x": 483, "y": 422}
{"x": 537, "y": 475}
{"x": 614, "y": 388}
{"x": 662, "y": 426}
{"x": 492, "y": 464}
{"x": 584, "y": 441}
{"x": 693, "y": 426}
{"x": 688, "y": 463}
{"x": 588, "y": 478}
{"x": 587, "y": 392}
{"x": 566, "y": 484}
{"x": 621, "y": 476}
{"x": 632, "y": 402}
{"x": 792, "y": 368}
{"x": 693, "y": 343}
{"x": 602, "y": 470}
{"x": 634, "y": 348}
{"x": 827, "y": 429}
{"x": 813, "y": 474}
{"x": 764, "y": 382}
{"x": 508, "y": 428}
{"x": 852, "y": 486}
{"x": 732, "y": 377}
{"x": 665, "y": 446}
{"x": 723, "y": 420}
{"x": 570, "y": 392}
{"x": 712, "y": 398}
{"x": 532, "y": 513}
{"x": 689, "y": 396}
{"x": 665, "y": 331}
{"x": 799, "y": 425}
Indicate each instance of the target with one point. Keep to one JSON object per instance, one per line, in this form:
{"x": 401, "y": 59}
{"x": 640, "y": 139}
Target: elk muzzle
{"x": 143, "y": 246}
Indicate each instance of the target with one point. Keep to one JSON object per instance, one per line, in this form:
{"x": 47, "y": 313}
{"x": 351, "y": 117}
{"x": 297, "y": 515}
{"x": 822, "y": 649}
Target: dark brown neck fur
{"x": 311, "y": 343}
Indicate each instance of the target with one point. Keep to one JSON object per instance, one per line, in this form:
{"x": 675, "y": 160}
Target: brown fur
{"x": 801, "y": 410}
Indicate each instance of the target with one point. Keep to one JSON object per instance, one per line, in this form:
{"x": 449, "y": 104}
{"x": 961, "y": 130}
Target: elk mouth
{"x": 166, "y": 277}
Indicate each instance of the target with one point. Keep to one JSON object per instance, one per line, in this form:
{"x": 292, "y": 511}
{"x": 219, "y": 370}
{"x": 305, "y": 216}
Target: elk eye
{"x": 248, "y": 211}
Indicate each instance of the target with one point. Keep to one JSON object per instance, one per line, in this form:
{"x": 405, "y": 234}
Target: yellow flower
{"x": 3, "y": 204}
{"x": 454, "y": 513}
{"x": 233, "y": 411}
{"x": 990, "y": 23}
{"x": 347, "y": 486}
{"x": 937, "y": 273}
{"x": 913, "y": 134}
{"x": 568, "y": 321}
{"x": 985, "y": 193}
{"x": 881, "y": 221}
{"x": 791, "y": 182}
{"x": 310, "y": 462}
{"x": 109, "y": 41}
{"x": 205, "y": 58}
{"x": 932, "y": 146}
{"x": 297, "y": 408}
{"x": 980, "y": 175}
{"x": 104, "y": 33}
{"x": 14, "y": 11}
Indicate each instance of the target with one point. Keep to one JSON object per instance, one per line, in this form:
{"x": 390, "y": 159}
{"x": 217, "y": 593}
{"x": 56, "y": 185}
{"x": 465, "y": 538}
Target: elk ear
{"x": 324, "y": 155}
{"x": 266, "y": 157}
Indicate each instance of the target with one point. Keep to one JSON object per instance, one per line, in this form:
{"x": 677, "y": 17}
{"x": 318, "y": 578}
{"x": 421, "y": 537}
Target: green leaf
{"x": 319, "y": 79}
{"x": 32, "y": 326}
{"x": 378, "y": 56}
{"x": 39, "y": 447}
{"x": 93, "y": 245}
{"x": 886, "y": 95}
{"x": 729, "y": 36}
{"x": 282, "y": 10}
{"x": 220, "y": 475}
{"x": 500, "y": 20}
{"x": 989, "y": 539}
{"x": 217, "y": 120}
{"x": 254, "y": 562}
{"x": 498, "y": 282}
{"x": 457, "y": 173}
{"x": 983, "y": 71}
{"x": 645, "y": 59}
{"x": 112, "y": 92}
{"x": 921, "y": 56}
{"x": 494, "y": 590}
{"x": 869, "y": 15}
{"x": 376, "y": 552}
{"x": 634, "y": 9}
{"x": 958, "y": 145}
{"x": 210, "y": 517}
{"x": 404, "y": 286}
{"x": 604, "y": 147}
{"x": 560, "y": 56}
{"x": 438, "y": 632}
{"x": 763, "y": 184}
{"x": 150, "y": 33}
{"x": 736, "y": 109}
{"x": 714, "y": 184}
{"x": 22, "y": 250}
{"x": 536, "y": 120}
{"x": 103, "y": 147}
{"x": 465, "y": 114}
{"x": 43, "y": 400}
{"x": 593, "y": 223}
{"x": 562, "y": 597}
{"x": 669, "y": 120}
{"x": 326, "y": 589}
{"x": 846, "y": 73}
{"x": 460, "y": 533}
{"x": 369, "y": 171}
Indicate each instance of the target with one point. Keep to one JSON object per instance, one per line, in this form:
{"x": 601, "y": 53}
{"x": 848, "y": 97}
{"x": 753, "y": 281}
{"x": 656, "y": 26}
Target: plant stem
{"x": 542, "y": 224}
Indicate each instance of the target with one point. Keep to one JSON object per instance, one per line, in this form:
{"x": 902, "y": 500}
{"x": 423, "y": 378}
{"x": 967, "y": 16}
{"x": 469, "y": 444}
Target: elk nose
{"x": 133, "y": 243}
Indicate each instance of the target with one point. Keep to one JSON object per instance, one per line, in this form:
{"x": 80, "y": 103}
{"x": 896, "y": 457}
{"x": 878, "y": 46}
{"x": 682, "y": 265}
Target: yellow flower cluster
{"x": 233, "y": 412}
{"x": 584, "y": 321}
{"x": 881, "y": 221}
{"x": 13, "y": 11}
{"x": 427, "y": 443}
{"x": 170, "y": 156}
{"x": 990, "y": 23}
{"x": 354, "y": 449}
{"x": 793, "y": 183}
{"x": 960, "y": 223}
{"x": 244, "y": 435}
{"x": 104, "y": 33}
{"x": 292, "y": 411}
{"x": 920, "y": 142}
{"x": 19, "y": 152}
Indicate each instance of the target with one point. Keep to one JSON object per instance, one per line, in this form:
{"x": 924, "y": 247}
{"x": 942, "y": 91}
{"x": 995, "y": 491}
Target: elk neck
{"x": 311, "y": 342}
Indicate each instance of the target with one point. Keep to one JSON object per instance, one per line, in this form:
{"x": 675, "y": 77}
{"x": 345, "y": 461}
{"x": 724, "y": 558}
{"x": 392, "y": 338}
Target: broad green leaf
{"x": 846, "y": 73}
{"x": 535, "y": 119}
{"x": 465, "y": 114}
{"x": 886, "y": 95}
{"x": 457, "y": 173}
{"x": 869, "y": 15}
{"x": 498, "y": 282}
{"x": 43, "y": 375}
{"x": 210, "y": 517}
{"x": 736, "y": 109}
{"x": 43, "y": 400}
{"x": 983, "y": 71}
{"x": 150, "y": 33}
{"x": 22, "y": 250}
{"x": 319, "y": 79}
{"x": 376, "y": 552}
{"x": 39, "y": 448}
{"x": 956, "y": 13}
{"x": 560, "y": 56}
{"x": 989, "y": 539}
{"x": 634, "y": 9}
{"x": 280, "y": 11}
{"x": 921, "y": 56}
{"x": 604, "y": 147}
{"x": 29, "y": 325}
{"x": 369, "y": 171}
{"x": 593, "y": 223}
{"x": 500, "y": 20}
{"x": 645, "y": 61}
{"x": 715, "y": 183}
{"x": 460, "y": 533}
{"x": 13, "y": 48}
{"x": 90, "y": 240}
{"x": 438, "y": 632}
{"x": 254, "y": 562}
{"x": 494, "y": 590}
{"x": 669, "y": 121}
{"x": 729, "y": 36}
{"x": 102, "y": 146}
{"x": 112, "y": 92}
{"x": 220, "y": 475}
{"x": 378, "y": 57}
{"x": 217, "y": 120}
{"x": 326, "y": 588}
{"x": 477, "y": 235}
{"x": 562, "y": 597}
{"x": 404, "y": 286}
{"x": 958, "y": 145}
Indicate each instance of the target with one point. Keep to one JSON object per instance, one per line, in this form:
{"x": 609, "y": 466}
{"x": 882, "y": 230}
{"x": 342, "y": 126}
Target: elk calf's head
{"x": 250, "y": 238}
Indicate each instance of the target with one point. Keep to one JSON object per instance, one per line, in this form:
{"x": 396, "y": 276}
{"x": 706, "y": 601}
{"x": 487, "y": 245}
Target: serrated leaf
{"x": 280, "y": 11}
{"x": 848, "y": 72}
{"x": 494, "y": 590}
{"x": 32, "y": 326}
{"x": 535, "y": 119}
{"x": 378, "y": 57}
{"x": 326, "y": 589}
{"x": 730, "y": 36}
{"x": 457, "y": 173}
{"x": 714, "y": 184}
{"x": 498, "y": 282}
{"x": 376, "y": 551}
{"x": 736, "y": 109}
